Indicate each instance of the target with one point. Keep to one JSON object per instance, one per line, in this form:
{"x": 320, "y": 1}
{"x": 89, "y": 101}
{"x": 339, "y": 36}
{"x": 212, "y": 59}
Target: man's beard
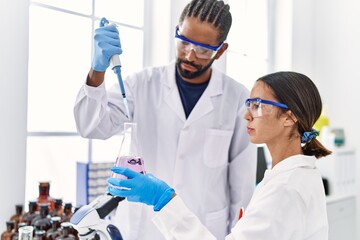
{"x": 191, "y": 75}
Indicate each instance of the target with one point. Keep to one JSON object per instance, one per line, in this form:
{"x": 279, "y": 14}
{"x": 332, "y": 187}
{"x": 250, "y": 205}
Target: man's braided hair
{"x": 214, "y": 12}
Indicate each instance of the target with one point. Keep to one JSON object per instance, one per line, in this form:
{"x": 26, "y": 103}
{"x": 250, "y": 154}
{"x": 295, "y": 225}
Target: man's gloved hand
{"x": 140, "y": 188}
{"x": 106, "y": 44}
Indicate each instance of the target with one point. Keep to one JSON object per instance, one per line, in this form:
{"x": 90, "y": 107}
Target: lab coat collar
{"x": 171, "y": 93}
{"x": 203, "y": 106}
{"x": 290, "y": 163}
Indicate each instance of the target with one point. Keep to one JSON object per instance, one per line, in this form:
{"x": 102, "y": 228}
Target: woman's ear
{"x": 290, "y": 119}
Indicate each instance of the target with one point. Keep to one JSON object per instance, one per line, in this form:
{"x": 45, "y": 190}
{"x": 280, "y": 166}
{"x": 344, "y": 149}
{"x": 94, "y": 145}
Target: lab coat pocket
{"x": 217, "y": 222}
{"x": 216, "y": 147}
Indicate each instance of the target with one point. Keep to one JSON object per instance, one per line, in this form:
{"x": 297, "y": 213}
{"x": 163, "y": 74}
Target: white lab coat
{"x": 206, "y": 158}
{"x": 289, "y": 204}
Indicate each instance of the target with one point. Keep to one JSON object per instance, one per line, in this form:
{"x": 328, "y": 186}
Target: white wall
{"x": 14, "y": 19}
{"x": 160, "y": 13}
{"x": 326, "y": 47}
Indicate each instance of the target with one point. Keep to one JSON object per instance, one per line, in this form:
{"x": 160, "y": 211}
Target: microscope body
{"x": 90, "y": 223}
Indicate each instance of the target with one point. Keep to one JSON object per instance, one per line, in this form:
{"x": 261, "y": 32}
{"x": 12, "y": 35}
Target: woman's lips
{"x": 249, "y": 130}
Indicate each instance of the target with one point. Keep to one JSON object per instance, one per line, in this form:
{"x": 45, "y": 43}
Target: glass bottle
{"x": 43, "y": 222}
{"x": 66, "y": 232}
{"x": 77, "y": 208}
{"x": 7, "y": 234}
{"x": 44, "y": 195}
{"x": 130, "y": 154}
{"x": 16, "y": 232}
{"x": 67, "y": 214}
{"x": 55, "y": 230}
{"x": 17, "y": 216}
{"x": 40, "y": 235}
{"x": 29, "y": 216}
{"x": 26, "y": 233}
{"x": 58, "y": 209}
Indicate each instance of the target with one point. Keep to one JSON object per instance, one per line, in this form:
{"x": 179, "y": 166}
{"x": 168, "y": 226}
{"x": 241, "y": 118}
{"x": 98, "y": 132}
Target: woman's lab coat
{"x": 206, "y": 158}
{"x": 289, "y": 204}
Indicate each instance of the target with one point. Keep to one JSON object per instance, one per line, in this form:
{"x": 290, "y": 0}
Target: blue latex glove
{"x": 140, "y": 188}
{"x": 106, "y": 44}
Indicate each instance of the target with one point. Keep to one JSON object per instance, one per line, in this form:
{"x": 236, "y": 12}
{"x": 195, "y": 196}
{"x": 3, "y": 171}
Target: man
{"x": 189, "y": 117}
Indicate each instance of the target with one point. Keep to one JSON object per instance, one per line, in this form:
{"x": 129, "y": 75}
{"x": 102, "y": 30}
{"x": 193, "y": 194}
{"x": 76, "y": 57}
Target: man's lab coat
{"x": 289, "y": 204}
{"x": 206, "y": 158}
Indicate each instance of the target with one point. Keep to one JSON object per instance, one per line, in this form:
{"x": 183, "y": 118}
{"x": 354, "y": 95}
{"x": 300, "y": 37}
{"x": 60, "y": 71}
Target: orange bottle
{"x": 8, "y": 233}
{"x": 17, "y": 216}
{"x": 44, "y": 196}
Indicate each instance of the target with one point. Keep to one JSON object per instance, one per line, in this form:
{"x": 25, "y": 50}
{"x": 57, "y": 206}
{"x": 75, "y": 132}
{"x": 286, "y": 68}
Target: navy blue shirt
{"x": 190, "y": 93}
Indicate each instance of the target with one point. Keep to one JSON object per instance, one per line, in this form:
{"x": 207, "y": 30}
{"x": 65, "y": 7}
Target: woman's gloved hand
{"x": 140, "y": 188}
{"x": 106, "y": 44}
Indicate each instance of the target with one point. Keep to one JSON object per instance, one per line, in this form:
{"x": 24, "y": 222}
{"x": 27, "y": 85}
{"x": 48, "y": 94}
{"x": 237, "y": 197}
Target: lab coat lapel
{"x": 171, "y": 93}
{"x": 205, "y": 105}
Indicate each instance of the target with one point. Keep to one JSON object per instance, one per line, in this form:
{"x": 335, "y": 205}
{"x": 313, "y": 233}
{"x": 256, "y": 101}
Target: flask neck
{"x": 129, "y": 145}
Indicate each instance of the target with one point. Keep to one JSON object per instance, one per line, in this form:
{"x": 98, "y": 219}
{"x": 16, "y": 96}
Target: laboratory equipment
{"x": 43, "y": 222}
{"x": 135, "y": 163}
{"x": 67, "y": 213}
{"x": 58, "y": 208}
{"x": 15, "y": 236}
{"x": 115, "y": 65}
{"x": 89, "y": 219}
{"x": 26, "y": 233}
{"x": 54, "y": 231}
{"x": 40, "y": 234}
{"x": 29, "y": 216}
{"x": 66, "y": 234}
{"x": 44, "y": 196}
{"x": 7, "y": 234}
{"x": 129, "y": 155}
{"x": 17, "y": 216}
{"x": 339, "y": 136}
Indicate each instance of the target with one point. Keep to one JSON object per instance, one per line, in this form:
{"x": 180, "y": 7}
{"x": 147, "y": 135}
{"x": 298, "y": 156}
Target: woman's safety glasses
{"x": 259, "y": 107}
{"x": 202, "y": 51}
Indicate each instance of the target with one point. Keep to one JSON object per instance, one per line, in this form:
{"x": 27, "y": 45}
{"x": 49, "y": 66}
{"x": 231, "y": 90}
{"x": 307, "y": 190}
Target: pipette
{"x": 115, "y": 65}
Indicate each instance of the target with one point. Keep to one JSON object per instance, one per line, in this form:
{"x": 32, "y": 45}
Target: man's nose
{"x": 191, "y": 55}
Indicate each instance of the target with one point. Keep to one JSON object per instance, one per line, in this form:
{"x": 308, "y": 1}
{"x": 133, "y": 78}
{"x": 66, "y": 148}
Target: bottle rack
{"x": 91, "y": 181}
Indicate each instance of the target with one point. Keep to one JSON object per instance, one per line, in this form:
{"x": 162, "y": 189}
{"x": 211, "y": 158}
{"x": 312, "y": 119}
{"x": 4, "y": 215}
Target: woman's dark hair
{"x": 302, "y": 97}
{"x": 212, "y": 11}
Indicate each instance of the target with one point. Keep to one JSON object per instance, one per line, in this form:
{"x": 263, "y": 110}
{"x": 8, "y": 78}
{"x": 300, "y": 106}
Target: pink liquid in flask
{"x": 135, "y": 163}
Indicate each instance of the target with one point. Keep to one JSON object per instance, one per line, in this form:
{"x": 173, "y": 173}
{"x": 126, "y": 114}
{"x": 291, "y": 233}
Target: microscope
{"x": 89, "y": 219}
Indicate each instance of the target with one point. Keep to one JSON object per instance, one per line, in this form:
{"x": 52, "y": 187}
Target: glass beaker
{"x": 26, "y": 233}
{"x": 129, "y": 155}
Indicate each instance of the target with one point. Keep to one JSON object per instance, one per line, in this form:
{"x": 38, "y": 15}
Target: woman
{"x": 289, "y": 203}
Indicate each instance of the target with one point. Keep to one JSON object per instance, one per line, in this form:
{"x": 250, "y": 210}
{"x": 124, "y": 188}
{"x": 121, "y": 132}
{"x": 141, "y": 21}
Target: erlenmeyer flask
{"x": 129, "y": 154}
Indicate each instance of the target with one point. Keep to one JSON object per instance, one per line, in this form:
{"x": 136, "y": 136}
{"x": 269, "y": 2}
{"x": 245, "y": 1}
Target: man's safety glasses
{"x": 259, "y": 107}
{"x": 202, "y": 51}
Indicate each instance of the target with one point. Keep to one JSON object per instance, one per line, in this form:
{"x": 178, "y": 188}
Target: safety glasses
{"x": 259, "y": 107}
{"x": 202, "y": 51}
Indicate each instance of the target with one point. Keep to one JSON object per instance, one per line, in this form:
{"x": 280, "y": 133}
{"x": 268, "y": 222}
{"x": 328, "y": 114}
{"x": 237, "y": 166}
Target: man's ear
{"x": 290, "y": 119}
{"x": 221, "y": 50}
